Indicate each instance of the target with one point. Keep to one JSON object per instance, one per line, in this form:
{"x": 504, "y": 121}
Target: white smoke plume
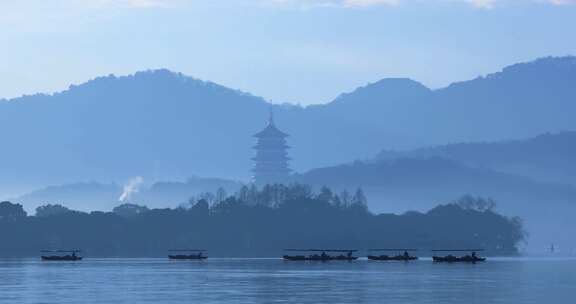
{"x": 131, "y": 187}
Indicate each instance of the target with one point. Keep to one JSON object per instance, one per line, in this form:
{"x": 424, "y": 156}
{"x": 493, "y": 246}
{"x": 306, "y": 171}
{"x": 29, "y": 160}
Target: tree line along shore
{"x": 257, "y": 222}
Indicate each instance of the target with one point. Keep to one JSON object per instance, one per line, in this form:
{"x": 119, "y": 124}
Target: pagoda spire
{"x": 271, "y": 117}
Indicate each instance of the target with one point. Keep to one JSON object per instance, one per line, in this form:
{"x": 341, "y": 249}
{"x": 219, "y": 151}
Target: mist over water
{"x": 277, "y": 281}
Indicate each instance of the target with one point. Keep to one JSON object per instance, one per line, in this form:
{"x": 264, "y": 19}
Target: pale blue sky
{"x": 302, "y": 51}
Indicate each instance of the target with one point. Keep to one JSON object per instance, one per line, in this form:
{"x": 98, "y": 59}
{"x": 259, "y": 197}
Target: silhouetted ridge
{"x": 541, "y": 65}
{"x": 541, "y": 72}
{"x": 385, "y": 90}
{"x": 409, "y": 172}
{"x": 547, "y": 157}
{"x": 153, "y": 80}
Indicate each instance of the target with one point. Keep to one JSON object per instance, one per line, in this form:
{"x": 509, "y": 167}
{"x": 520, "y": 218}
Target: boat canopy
{"x": 323, "y": 250}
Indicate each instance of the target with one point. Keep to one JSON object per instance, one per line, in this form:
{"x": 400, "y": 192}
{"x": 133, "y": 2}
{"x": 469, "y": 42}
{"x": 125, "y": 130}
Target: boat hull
{"x": 458, "y": 259}
{"x": 61, "y": 258}
{"x": 186, "y": 257}
{"x": 391, "y": 258}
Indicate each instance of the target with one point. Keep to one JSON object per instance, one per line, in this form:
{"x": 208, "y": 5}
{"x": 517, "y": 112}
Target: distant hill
{"x": 77, "y": 196}
{"x": 416, "y": 184}
{"x": 104, "y": 197}
{"x": 166, "y": 126}
{"x": 155, "y": 124}
{"x": 547, "y": 158}
{"x": 403, "y": 184}
{"x": 171, "y": 194}
{"x": 521, "y": 101}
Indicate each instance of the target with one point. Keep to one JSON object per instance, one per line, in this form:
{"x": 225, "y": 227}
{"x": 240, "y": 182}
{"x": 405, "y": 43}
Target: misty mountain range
{"x": 533, "y": 170}
{"x": 166, "y": 126}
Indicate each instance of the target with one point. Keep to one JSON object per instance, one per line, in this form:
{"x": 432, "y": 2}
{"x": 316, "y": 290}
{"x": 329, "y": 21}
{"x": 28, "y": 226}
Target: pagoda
{"x": 271, "y": 160}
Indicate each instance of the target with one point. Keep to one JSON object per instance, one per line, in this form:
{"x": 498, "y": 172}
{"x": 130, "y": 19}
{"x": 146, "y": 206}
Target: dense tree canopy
{"x": 51, "y": 210}
{"x": 258, "y": 222}
{"x": 9, "y": 211}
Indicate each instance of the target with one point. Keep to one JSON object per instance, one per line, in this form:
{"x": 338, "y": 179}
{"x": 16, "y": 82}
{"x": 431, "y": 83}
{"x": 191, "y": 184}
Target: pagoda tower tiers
{"x": 271, "y": 160}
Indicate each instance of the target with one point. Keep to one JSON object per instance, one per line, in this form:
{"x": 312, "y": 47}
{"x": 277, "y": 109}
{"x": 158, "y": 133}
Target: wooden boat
{"x": 187, "y": 254}
{"x": 455, "y": 259}
{"x": 318, "y": 258}
{"x": 61, "y": 258}
{"x": 57, "y": 255}
{"x": 392, "y": 258}
{"x": 187, "y": 257}
{"x": 323, "y": 257}
{"x": 469, "y": 258}
{"x": 402, "y": 256}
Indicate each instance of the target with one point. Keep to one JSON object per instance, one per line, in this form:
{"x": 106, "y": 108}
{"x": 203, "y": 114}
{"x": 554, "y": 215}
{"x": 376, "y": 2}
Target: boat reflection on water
{"x": 321, "y": 255}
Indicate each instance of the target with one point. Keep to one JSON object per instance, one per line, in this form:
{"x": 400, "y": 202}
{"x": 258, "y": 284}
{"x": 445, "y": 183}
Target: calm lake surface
{"x": 277, "y": 281}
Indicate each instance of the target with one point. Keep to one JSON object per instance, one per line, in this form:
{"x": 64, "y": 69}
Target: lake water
{"x": 276, "y": 281}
